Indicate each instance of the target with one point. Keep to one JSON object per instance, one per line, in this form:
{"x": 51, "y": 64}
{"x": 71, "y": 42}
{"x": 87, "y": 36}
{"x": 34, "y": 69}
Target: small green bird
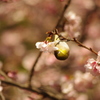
{"x": 63, "y": 49}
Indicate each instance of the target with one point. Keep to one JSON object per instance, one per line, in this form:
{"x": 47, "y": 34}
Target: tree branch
{"x": 81, "y": 45}
{"x": 57, "y": 25}
{"x": 32, "y": 70}
{"x": 53, "y": 97}
{"x": 2, "y": 96}
{"x": 74, "y": 40}
{"x": 60, "y": 19}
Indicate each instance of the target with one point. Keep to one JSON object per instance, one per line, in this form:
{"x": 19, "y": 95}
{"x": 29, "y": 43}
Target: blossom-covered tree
{"x": 63, "y": 64}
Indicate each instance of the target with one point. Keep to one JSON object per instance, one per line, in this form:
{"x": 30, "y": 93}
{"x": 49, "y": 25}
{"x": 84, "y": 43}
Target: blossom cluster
{"x": 79, "y": 83}
{"x": 50, "y": 46}
{"x": 93, "y": 66}
{"x": 73, "y": 25}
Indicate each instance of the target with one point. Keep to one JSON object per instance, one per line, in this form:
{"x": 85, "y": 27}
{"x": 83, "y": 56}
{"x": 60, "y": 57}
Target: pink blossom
{"x": 50, "y": 46}
{"x": 73, "y": 26}
{"x": 93, "y": 66}
{"x": 82, "y": 81}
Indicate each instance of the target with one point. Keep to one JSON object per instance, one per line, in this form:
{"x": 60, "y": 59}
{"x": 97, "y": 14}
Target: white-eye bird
{"x": 63, "y": 49}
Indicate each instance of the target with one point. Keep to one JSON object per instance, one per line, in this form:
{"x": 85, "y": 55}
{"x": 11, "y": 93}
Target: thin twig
{"x": 2, "y": 96}
{"x": 62, "y": 15}
{"x": 80, "y": 44}
{"x": 5, "y": 76}
{"x": 32, "y": 70}
{"x": 74, "y": 40}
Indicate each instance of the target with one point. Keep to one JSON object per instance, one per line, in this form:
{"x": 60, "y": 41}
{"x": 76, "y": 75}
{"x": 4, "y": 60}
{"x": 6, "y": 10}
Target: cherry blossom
{"x": 93, "y": 66}
{"x": 58, "y": 47}
{"x": 82, "y": 81}
{"x": 50, "y": 46}
{"x": 73, "y": 25}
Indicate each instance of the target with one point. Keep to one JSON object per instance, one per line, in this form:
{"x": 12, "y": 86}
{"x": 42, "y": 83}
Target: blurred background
{"x": 25, "y": 22}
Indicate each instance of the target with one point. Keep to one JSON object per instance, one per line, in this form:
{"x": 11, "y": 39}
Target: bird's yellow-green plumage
{"x": 63, "y": 49}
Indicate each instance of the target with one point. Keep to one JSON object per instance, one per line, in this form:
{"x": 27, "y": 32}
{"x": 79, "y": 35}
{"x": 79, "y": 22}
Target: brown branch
{"x": 10, "y": 82}
{"x": 74, "y": 40}
{"x": 53, "y": 97}
{"x": 80, "y": 44}
{"x": 32, "y": 70}
{"x": 57, "y": 25}
{"x": 60, "y": 19}
{"x": 45, "y": 94}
